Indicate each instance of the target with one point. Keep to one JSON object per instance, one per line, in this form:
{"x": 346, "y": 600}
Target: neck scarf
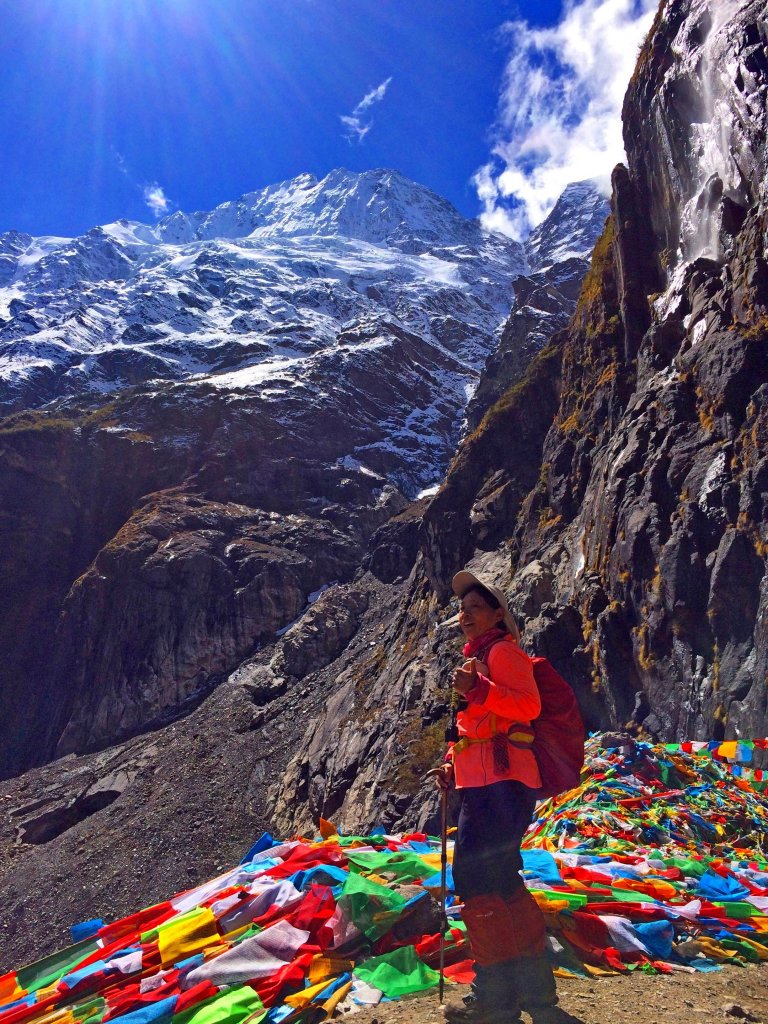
{"x": 484, "y": 640}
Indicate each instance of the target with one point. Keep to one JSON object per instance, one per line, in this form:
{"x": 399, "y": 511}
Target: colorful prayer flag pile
{"x": 655, "y": 862}
{"x": 736, "y": 752}
{"x": 658, "y": 859}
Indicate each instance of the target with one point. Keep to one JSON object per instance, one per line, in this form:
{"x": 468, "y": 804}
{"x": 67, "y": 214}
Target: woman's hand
{"x": 465, "y": 678}
{"x": 443, "y": 776}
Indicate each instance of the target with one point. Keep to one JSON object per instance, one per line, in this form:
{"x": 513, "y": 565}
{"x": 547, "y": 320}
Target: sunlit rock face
{"x": 700, "y": 86}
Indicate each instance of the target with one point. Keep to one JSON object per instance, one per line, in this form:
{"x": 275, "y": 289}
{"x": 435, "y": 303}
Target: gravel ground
{"x": 729, "y": 995}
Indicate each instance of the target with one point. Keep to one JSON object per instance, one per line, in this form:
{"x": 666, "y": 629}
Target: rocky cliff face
{"x": 640, "y": 552}
{"x": 558, "y": 252}
{"x": 620, "y": 489}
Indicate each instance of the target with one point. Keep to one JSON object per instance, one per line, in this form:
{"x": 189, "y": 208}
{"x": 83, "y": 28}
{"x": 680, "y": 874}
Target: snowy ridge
{"x": 374, "y": 206}
{"x": 280, "y": 273}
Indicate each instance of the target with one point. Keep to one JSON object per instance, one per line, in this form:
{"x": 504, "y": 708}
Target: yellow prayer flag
{"x": 49, "y": 990}
{"x": 299, "y": 999}
{"x": 329, "y": 1005}
{"x": 183, "y": 937}
{"x": 328, "y": 967}
{"x": 57, "y": 1017}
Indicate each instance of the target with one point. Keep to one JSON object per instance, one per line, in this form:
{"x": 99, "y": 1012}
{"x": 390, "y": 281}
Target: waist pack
{"x": 558, "y": 732}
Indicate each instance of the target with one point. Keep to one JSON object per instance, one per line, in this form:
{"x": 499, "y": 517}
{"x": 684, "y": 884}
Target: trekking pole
{"x": 451, "y": 736}
{"x": 443, "y": 885}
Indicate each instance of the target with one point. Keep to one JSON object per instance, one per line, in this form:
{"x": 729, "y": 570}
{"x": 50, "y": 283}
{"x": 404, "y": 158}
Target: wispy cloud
{"x": 156, "y": 199}
{"x": 153, "y": 194}
{"x": 559, "y": 116}
{"x": 359, "y": 123}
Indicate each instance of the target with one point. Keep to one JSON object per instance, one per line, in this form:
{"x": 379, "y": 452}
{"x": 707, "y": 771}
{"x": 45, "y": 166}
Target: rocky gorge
{"x": 189, "y": 550}
{"x": 223, "y": 618}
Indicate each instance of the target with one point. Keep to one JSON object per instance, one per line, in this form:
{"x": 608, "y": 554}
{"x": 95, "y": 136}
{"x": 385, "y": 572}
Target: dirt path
{"x": 623, "y": 999}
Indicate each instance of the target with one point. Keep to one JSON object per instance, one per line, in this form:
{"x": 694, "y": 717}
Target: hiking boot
{"x": 535, "y": 983}
{"x": 473, "y": 1011}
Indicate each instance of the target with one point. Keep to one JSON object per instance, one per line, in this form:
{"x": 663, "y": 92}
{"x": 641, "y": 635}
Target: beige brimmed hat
{"x": 463, "y": 580}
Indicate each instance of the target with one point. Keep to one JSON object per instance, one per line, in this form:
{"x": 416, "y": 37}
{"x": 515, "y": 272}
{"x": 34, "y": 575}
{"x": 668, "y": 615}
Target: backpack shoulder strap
{"x": 485, "y": 650}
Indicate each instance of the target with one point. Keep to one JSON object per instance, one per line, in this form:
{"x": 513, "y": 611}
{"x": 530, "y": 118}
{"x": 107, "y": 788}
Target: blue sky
{"x": 133, "y": 108}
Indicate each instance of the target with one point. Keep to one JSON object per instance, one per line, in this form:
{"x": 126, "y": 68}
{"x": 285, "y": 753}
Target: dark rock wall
{"x": 184, "y": 592}
{"x": 148, "y": 547}
{"x": 647, "y": 526}
{"x": 559, "y": 254}
{"x": 64, "y": 490}
{"x": 541, "y": 309}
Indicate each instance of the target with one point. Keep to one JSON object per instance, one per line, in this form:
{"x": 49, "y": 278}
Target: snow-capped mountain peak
{"x": 570, "y": 230}
{"x": 264, "y": 295}
{"x": 377, "y": 206}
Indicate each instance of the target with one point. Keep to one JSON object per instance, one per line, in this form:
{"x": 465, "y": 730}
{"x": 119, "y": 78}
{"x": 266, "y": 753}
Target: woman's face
{"x": 476, "y": 616}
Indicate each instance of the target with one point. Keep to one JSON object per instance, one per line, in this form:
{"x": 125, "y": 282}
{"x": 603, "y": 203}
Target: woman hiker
{"x": 495, "y": 774}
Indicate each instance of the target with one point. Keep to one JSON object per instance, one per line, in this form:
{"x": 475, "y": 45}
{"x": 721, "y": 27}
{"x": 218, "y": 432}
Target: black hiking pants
{"x": 492, "y": 821}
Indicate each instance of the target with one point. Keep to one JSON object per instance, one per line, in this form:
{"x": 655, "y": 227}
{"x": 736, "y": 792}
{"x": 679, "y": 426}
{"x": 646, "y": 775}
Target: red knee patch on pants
{"x": 503, "y": 928}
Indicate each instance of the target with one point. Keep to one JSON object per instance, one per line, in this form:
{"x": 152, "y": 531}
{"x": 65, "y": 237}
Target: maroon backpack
{"x": 558, "y": 732}
{"x": 558, "y": 743}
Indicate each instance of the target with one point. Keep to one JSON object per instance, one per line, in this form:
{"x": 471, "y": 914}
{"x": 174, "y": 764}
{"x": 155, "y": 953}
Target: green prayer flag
{"x": 404, "y": 867}
{"x": 631, "y": 895}
{"x": 398, "y": 973}
{"x": 90, "y": 1010}
{"x": 575, "y": 900}
{"x": 373, "y": 908}
{"x": 232, "y": 1007}
{"x": 738, "y": 910}
{"x": 690, "y": 868}
{"x": 742, "y": 948}
{"x": 44, "y": 972}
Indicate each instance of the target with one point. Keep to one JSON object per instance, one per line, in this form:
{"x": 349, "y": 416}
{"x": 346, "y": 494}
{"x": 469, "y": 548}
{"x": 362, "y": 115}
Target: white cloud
{"x": 154, "y": 195}
{"x": 559, "y": 116}
{"x": 156, "y": 199}
{"x": 357, "y": 124}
